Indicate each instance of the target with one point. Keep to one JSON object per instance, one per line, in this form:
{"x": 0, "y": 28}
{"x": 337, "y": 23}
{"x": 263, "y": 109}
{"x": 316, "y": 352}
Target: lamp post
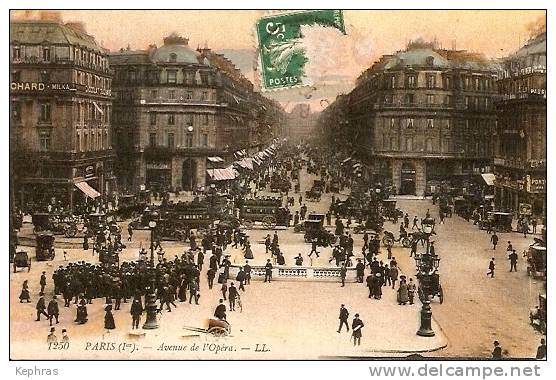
{"x": 150, "y": 302}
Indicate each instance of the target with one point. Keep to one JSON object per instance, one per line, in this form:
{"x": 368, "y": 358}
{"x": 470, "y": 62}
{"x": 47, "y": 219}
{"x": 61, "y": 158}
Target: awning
{"x": 87, "y": 190}
{"x": 489, "y": 178}
{"x": 346, "y": 160}
{"x": 246, "y": 163}
{"x": 240, "y": 153}
{"x": 226, "y": 174}
{"x": 215, "y": 159}
{"x": 257, "y": 160}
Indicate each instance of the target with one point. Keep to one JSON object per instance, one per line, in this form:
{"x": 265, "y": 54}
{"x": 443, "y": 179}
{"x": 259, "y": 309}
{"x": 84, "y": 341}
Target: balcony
{"x": 417, "y": 105}
{"x": 538, "y": 165}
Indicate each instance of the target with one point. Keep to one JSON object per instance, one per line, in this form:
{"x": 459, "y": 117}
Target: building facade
{"x": 421, "y": 116}
{"x": 520, "y": 139}
{"x": 176, "y": 108}
{"x": 60, "y": 106}
{"x": 301, "y": 123}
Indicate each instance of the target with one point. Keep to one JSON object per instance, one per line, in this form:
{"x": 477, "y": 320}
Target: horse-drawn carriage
{"x": 389, "y": 239}
{"x": 268, "y": 211}
{"x": 498, "y": 221}
{"x": 58, "y": 224}
{"x": 44, "y": 249}
{"x": 280, "y": 184}
{"x": 536, "y": 259}
{"x": 389, "y": 210}
{"x": 22, "y": 260}
{"x": 313, "y": 195}
{"x": 314, "y": 229}
{"x": 428, "y": 277}
{"x": 131, "y": 205}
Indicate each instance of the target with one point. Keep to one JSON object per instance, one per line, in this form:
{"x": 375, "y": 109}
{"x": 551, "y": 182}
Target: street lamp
{"x": 150, "y": 302}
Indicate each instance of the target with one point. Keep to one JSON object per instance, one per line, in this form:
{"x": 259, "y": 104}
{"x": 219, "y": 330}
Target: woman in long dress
{"x": 109, "y": 318}
{"x": 403, "y": 294}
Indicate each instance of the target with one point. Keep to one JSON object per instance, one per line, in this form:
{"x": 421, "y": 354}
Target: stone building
{"x": 301, "y": 123}
{"x": 421, "y": 116}
{"x": 60, "y": 107}
{"x": 520, "y": 139}
{"x": 179, "y": 111}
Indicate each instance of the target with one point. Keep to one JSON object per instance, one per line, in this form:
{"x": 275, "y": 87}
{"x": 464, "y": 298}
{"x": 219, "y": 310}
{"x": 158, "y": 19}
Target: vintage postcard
{"x": 313, "y": 184}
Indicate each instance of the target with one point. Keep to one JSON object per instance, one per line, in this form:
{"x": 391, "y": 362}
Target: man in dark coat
{"x": 220, "y": 311}
{"x": 541, "y": 350}
{"x": 42, "y": 282}
{"x": 211, "y": 273}
{"x": 494, "y": 240}
{"x": 200, "y": 260}
{"x": 232, "y": 295}
{"x": 314, "y": 243}
{"x": 241, "y": 278}
{"x": 513, "y": 261}
{"x": 497, "y": 351}
{"x": 41, "y": 308}
{"x": 343, "y": 272}
{"x": 491, "y": 267}
{"x": 53, "y": 310}
{"x": 247, "y": 270}
{"x": 344, "y": 314}
{"x": 360, "y": 271}
{"x": 268, "y": 271}
{"x": 356, "y": 326}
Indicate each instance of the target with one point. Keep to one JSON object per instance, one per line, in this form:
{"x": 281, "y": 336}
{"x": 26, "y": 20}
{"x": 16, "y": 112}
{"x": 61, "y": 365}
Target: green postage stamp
{"x": 281, "y": 51}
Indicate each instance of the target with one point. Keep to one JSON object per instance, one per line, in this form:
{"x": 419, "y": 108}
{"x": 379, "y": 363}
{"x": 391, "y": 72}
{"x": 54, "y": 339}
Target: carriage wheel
{"x": 269, "y": 222}
{"x": 248, "y": 224}
{"x": 406, "y": 242}
{"x": 441, "y": 295}
{"x": 218, "y": 331}
{"x": 386, "y": 241}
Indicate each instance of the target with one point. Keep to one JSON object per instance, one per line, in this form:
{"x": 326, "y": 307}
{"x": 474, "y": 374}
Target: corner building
{"x": 423, "y": 115}
{"x": 176, "y": 109}
{"x": 60, "y": 108}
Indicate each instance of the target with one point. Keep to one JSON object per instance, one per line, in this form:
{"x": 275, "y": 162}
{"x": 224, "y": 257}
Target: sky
{"x": 370, "y": 34}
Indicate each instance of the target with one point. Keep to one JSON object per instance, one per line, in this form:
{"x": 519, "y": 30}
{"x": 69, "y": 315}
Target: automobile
{"x": 499, "y": 221}
{"x": 536, "y": 259}
{"x": 22, "y": 260}
{"x": 314, "y": 230}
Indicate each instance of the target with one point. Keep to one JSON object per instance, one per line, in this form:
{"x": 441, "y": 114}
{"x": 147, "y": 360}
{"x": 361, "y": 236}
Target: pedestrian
{"x": 497, "y": 351}
{"x": 509, "y": 248}
{"x": 494, "y": 240}
{"x": 193, "y": 290}
{"x": 541, "y": 350}
{"x": 25, "y": 293}
{"x": 356, "y": 327}
{"x": 42, "y": 282}
{"x": 220, "y": 311}
{"x": 413, "y": 248}
{"x": 65, "y": 337}
{"x": 299, "y": 260}
{"x": 241, "y": 278}
{"x": 247, "y": 270}
{"x": 344, "y": 314}
{"x": 130, "y": 232}
{"x": 393, "y": 274}
{"x": 343, "y": 273}
{"x": 513, "y": 261}
{"x": 314, "y": 243}
{"x": 51, "y": 338}
{"x": 403, "y": 292}
{"x": 267, "y": 243}
{"x": 41, "y": 308}
{"x": 211, "y": 273}
{"x": 415, "y": 220}
{"x": 224, "y": 290}
{"x": 200, "y": 260}
{"x": 411, "y": 289}
{"x": 360, "y": 271}
{"x": 406, "y": 220}
{"x": 109, "y": 323}
{"x": 232, "y": 295}
{"x": 491, "y": 267}
{"x": 534, "y": 224}
{"x": 81, "y": 317}
{"x": 268, "y": 271}
{"x": 53, "y": 310}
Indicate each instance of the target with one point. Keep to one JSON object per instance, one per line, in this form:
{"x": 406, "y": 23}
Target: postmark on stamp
{"x": 282, "y": 55}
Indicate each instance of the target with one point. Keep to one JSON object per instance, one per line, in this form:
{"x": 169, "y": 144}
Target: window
{"x": 171, "y": 94}
{"x": 44, "y": 141}
{"x": 132, "y": 76}
{"x": 45, "y": 77}
{"x": 430, "y": 61}
{"x": 172, "y": 76}
{"x": 447, "y": 82}
{"x": 204, "y": 78}
{"x": 205, "y": 119}
{"x": 409, "y": 123}
{"x": 448, "y": 123}
{"x": 430, "y": 99}
{"x": 409, "y": 144}
{"x": 392, "y": 82}
{"x": 46, "y": 53}
{"x": 154, "y": 94}
{"x": 189, "y": 95}
{"x": 16, "y": 52}
{"x": 152, "y": 139}
{"x": 189, "y": 77}
{"x": 430, "y": 123}
{"x": 409, "y": 98}
{"x": 16, "y": 111}
{"x": 393, "y": 143}
{"x": 449, "y": 100}
{"x": 152, "y": 117}
{"x": 388, "y": 99}
{"x": 204, "y": 95}
{"x": 392, "y": 123}
{"x": 170, "y": 140}
{"x": 78, "y": 142}
{"x": 429, "y": 145}
{"x": 411, "y": 81}
{"x": 467, "y": 101}
{"x": 16, "y": 76}
{"x": 204, "y": 139}
{"x": 171, "y": 119}
{"x": 189, "y": 140}
{"x": 188, "y": 119}
{"x": 44, "y": 112}
{"x": 431, "y": 81}
{"x": 173, "y": 58}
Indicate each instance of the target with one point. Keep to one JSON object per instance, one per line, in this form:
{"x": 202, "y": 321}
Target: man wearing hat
{"x": 53, "y": 310}
{"x": 356, "y": 327}
{"x": 136, "y": 312}
{"x": 41, "y": 307}
{"x": 344, "y": 314}
{"x": 220, "y": 311}
{"x": 51, "y": 338}
{"x": 360, "y": 270}
{"x": 268, "y": 271}
{"x": 491, "y": 267}
{"x": 42, "y": 282}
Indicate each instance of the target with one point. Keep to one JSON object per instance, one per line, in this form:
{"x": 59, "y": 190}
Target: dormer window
{"x": 46, "y": 53}
{"x": 17, "y": 52}
{"x": 430, "y": 61}
{"x": 173, "y": 58}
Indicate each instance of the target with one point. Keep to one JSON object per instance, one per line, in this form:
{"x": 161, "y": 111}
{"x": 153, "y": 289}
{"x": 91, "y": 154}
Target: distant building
{"x": 420, "y": 116}
{"x": 301, "y": 123}
{"x": 178, "y": 112}
{"x": 520, "y": 138}
{"x": 60, "y": 107}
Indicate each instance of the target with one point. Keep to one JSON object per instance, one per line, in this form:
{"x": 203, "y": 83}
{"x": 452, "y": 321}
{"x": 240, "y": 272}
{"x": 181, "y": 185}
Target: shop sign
{"x": 536, "y": 184}
{"x": 39, "y": 86}
{"x": 89, "y": 171}
{"x": 158, "y": 166}
{"x": 525, "y": 209}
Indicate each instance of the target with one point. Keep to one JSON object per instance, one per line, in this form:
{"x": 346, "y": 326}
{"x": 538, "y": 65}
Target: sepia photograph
{"x": 267, "y": 185}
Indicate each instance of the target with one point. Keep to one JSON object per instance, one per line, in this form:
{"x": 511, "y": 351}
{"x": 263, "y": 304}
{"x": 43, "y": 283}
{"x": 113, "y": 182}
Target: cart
{"x": 428, "y": 277}
{"x": 216, "y": 328}
{"x": 45, "y": 246}
{"x": 500, "y": 221}
{"x": 389, "y": 210}
{"x": 536, "y": 259}
{"x": 313, "y": 195}
{"x": 22, "y": 260}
